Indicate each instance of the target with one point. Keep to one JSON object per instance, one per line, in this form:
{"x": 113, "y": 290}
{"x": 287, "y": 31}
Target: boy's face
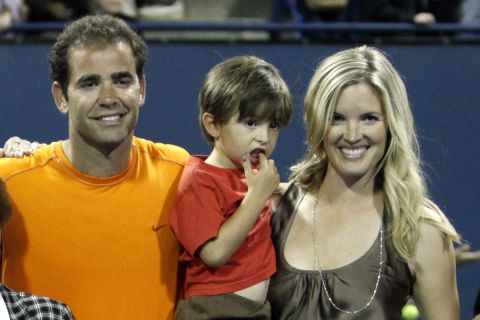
{"x": 248, "y": 137}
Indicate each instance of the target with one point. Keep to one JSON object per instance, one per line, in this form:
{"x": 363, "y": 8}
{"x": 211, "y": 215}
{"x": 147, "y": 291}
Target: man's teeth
{"x": 109, "y": 118}
{"x": 354, "y": 152}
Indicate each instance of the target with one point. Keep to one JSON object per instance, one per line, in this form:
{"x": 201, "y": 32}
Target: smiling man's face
{"x": 104, "y": 94}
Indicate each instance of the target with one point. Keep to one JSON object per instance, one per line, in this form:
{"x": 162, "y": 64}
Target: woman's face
{"x": 357, "y": 137}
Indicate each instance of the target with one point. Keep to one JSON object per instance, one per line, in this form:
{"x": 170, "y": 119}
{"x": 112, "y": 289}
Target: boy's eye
{"x": 274, "y": 125}
{"x": 250, "y": 123}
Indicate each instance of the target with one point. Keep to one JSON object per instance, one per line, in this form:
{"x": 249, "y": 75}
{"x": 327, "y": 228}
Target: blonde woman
{"x": 355, "y": 232}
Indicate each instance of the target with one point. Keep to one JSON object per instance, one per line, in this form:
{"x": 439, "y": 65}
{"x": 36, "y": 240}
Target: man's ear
{"x": 210, "y": 125}
{"x": 143, "y": 90}
{"x": 59, "y": 97}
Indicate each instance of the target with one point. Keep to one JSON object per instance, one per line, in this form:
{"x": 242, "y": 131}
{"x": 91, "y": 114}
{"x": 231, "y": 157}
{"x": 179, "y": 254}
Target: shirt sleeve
{"x": 197, "y": 213}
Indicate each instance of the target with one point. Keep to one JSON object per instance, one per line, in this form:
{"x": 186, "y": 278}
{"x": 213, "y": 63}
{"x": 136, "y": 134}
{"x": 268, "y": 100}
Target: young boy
{"x": 221, "y": 214}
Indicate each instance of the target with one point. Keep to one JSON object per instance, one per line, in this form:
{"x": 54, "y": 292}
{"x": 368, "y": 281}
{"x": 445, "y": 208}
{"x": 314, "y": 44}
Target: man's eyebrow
{"x": 122, "y": 75}
{"x": 88, "y": 78}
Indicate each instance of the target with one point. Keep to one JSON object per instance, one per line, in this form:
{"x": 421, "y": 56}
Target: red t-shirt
{"x": 207, "y": 196}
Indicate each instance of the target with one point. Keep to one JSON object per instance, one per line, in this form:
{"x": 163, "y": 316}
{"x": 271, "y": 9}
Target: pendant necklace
{"x": 317, "y": 266}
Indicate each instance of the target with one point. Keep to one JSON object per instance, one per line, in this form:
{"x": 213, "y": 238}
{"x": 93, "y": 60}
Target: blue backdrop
{"x": 442, "y": 80}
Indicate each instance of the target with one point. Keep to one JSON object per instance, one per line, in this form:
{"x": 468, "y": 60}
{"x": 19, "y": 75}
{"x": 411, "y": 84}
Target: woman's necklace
{"x": 317, "y": 266}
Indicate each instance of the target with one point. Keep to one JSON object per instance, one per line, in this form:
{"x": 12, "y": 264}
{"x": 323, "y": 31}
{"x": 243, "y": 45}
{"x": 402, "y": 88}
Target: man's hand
{"x": 16, "y": 147}
{"x": 463, "y": 255}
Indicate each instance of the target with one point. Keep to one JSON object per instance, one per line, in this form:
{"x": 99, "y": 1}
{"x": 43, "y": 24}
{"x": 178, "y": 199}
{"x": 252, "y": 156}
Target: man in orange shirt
{"x": 90, "y": 224}
{"x": 21, "y": 305}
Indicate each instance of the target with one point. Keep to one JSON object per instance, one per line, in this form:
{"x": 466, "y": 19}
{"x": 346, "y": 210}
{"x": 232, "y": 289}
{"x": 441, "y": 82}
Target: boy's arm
{"x": 261, "y": 184}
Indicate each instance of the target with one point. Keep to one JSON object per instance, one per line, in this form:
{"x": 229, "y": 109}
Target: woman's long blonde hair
{"x": 399, "y": 173}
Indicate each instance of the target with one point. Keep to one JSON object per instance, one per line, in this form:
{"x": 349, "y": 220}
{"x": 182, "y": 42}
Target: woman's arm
{"x": 435, "y": 290}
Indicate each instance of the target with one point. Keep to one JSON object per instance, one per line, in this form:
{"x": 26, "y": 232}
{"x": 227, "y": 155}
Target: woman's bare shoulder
{"x": 277, "y": 195}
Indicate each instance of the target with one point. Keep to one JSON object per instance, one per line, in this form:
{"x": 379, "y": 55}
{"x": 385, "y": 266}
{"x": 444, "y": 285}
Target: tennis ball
{"x": 410, "y": 312}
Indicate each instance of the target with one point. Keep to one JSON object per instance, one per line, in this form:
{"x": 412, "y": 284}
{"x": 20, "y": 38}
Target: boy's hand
{"x": 264, "y": 180}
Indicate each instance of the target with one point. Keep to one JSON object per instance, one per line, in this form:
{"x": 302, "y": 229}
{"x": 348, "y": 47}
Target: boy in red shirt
{"x": 221, "y": 214}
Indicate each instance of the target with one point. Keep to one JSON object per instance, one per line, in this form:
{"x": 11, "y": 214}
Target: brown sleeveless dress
{"x": 298, "y": 294}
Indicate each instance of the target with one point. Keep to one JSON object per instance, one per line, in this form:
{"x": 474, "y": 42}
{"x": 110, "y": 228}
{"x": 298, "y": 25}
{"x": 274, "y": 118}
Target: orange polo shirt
{"x": 101, "y": 245}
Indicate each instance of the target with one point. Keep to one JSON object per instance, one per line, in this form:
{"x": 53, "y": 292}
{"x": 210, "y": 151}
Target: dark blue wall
{"x": 443, "y": 82}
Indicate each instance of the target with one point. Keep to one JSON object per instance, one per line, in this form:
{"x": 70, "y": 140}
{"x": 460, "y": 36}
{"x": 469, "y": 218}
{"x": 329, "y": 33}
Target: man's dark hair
{"x": 93, "y": 30}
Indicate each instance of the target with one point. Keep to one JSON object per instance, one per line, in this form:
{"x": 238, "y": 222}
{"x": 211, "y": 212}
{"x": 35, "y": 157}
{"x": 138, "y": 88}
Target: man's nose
{"x": 107, "y": 95}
